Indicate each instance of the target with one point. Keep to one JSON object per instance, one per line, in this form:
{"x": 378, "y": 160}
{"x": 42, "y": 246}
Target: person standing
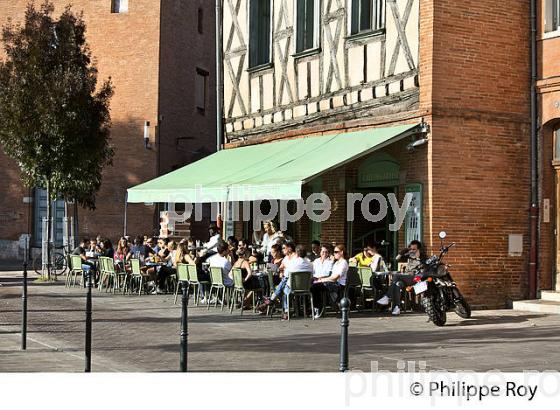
{"x": 270, "y": 237}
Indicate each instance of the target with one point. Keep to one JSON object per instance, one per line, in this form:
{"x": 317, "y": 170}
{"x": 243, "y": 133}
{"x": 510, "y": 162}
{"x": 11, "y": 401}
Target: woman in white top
{"x": 332, "y": 283}
{"x": 377, "y": 263}
{"x": 322, "y": 266}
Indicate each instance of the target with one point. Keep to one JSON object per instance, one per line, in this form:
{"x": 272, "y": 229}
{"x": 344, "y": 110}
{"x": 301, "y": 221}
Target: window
{"x": 200, "y": 20}
{"x": 367, "y": 15}
{"x": 307, "y": 24}
{"x": 551, "y": 18}
{"x": 201, "y": 86}
{"x": 413, "y": 218}
{"x": 119, "y": 6}
{"x": 57, "y": 214}
{"x": 259, "y": 32}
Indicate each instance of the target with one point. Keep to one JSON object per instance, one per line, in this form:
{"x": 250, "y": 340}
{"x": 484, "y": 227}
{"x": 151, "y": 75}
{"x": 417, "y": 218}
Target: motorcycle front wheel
{"x": 462, "y": 308}
{"x": 434, "y": 310}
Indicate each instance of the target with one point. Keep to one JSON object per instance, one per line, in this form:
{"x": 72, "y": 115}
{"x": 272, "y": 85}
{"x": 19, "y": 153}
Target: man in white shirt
{"x": 299, "y": 263}
{"x": 219, "y": 260}
{"x": 294, "y": 261}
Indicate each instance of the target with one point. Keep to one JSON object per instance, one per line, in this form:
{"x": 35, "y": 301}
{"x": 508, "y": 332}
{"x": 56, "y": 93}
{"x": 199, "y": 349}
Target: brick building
{"x": 156, "y": 53}
{"x": 318, "y": 68}
{"x": 548, "y": 89}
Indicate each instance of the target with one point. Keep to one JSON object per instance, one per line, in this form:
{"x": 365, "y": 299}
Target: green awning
{"x": 274, "y": 170}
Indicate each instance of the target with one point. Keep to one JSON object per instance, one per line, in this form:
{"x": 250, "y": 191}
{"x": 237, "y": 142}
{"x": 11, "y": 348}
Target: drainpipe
{"x": 534, "y": 211}
{"x": 219, "y": 93}
{"x": 219, "y": 85}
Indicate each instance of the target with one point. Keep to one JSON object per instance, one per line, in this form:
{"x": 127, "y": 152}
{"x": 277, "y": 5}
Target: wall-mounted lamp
{"x": 147, "y": 134}
{"x": 420, "y": 138}
{"x": 413, "y": 145}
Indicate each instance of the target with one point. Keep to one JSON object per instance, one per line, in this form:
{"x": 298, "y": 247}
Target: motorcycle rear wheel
{"x": 434, "y": 311}
{"x": 462, "y": 308}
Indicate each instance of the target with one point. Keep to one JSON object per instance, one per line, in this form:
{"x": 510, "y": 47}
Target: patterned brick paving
{"x": 132, "y": 334}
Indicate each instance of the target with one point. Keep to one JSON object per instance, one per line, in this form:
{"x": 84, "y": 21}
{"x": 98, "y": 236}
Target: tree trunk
{"x": 48, "y": 230}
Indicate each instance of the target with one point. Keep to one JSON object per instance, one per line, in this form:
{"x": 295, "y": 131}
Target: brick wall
{"x": 186, "y": 133}
{"x": 146, "y": 76}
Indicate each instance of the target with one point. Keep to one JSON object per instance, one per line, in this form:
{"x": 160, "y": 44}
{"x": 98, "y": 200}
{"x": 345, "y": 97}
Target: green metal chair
{"x": 195, "y": 283}
{"x": 182, "y": 276}
{"x": 366, "y": 275}
{"x": 108, "y": 274}
{"x": 74, "y": 271}
{"x": 120, "y": 277}
{"x": 218, "y": 284}
{"x": 238, "y": 289}
{"x": 300, "y": 286}
{"x": 136, "y": 278}
{"x": 103, "y": 275}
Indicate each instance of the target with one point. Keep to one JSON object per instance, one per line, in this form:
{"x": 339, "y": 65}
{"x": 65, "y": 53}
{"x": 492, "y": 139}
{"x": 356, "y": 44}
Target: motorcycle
{"x": 440, "y": 293}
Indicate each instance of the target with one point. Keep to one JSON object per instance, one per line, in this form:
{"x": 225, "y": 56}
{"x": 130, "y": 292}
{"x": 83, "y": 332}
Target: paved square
{"x": 141, "y": 334}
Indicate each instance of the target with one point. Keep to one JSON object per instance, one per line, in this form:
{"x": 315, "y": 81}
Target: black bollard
{"x": 24, "y": 302}
{"x": 88, "y": 323}
{"x": 344, "y": 323}
{"x": 184, "y": 324}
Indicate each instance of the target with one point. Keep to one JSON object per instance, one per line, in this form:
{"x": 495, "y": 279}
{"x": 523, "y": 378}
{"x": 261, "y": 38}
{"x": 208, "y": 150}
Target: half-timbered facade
{"x": 323, "y": 61}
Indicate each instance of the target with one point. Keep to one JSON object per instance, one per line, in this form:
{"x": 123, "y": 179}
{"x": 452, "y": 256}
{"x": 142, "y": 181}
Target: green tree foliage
{"x": 54, "y": 120}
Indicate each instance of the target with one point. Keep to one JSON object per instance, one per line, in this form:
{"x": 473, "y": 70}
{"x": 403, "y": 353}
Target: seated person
{"x": 315, "y": 251}
{"x": 170, "y": 268}
{"x": 150, "y": 243}
{"x": 163, "y": 251}
{"x": 233, "y": 243}
{"x": 415, "y": 257}
{"x": 187, "y": 254}
{"x": 80, "y": 250}
{"x": 364, "y": 258}
{"x": 122, "y": 253}
{"x": 294, "y": 261}
{"x": 250, "y": 281}
{"x": 243, "y": 248}
{"x": 92, "y": 249}
{"x": 322, "y": 265}
{"x": 107, "y": 249}
{"x": 140, "y": 251}
{"x": 219, "y": 260}
{"x": 276, "y": 258}
{"x": 378, "y": 267}
{"x": 331, "y": 283}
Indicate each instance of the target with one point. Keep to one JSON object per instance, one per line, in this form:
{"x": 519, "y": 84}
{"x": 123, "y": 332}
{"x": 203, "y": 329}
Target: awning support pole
{"x": 125, "y": 210}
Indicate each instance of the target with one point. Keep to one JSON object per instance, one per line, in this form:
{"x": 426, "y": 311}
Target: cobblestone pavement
{"x": 141, "y": 334}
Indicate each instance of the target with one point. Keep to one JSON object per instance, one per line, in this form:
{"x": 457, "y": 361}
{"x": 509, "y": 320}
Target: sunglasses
{"x": 335, "y": 251}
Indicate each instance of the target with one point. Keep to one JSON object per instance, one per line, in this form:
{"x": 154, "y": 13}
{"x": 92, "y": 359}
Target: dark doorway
{"x": 364, "y": 232}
